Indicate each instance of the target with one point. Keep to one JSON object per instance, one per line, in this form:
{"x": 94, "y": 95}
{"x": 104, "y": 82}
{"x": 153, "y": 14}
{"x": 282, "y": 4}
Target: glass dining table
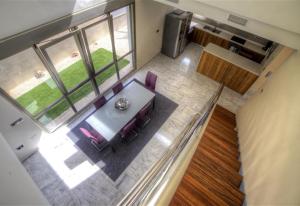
{"x": 109, "y": 121}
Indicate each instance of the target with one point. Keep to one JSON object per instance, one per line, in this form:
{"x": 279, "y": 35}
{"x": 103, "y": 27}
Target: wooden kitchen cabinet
{"x": 212, "y": 66}
{"x": 238, "y": 79}
{"x": 202, "y": 37}
{"x": 234, "y": 77}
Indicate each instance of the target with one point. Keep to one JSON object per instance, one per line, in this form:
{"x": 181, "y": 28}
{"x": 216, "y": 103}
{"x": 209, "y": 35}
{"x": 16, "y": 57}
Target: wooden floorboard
{"x": 215, "y": 131}
{"x": 212, "y": 177}
{"x": 233, "y": 163}
{"x": 219, "y": 148}
{"x": 232, "y": 149}
{"x": 218, "y": 172}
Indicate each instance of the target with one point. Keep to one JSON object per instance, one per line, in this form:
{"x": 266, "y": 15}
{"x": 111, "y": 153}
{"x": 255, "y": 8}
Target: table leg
{"x": 153, "y": 104}
{"x": 113, "y": 149}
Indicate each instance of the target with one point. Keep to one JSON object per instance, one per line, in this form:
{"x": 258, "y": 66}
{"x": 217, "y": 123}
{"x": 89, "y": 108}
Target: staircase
{"x": 212, "y": 177}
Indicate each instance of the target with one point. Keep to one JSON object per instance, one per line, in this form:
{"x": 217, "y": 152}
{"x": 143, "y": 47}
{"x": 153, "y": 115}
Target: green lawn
{"x": 46, "y": 93}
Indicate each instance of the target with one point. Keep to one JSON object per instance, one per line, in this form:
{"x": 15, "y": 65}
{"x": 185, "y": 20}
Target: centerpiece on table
{"x": 122, "y": 104}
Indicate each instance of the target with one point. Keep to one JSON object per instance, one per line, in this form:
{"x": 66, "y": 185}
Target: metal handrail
{"x": 153, "y": 179}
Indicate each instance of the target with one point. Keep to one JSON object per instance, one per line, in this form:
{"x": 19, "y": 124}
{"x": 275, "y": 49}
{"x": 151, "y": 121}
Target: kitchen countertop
{"x": 227, "y": 36}
{"x": 234, "y": 58}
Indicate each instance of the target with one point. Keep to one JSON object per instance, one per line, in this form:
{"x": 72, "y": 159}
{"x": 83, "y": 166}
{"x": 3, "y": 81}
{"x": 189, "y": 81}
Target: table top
{"x": 108, "y": 120}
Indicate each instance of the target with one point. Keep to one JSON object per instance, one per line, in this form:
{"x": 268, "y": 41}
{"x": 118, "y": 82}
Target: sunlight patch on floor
{"x": 56, "y": 148}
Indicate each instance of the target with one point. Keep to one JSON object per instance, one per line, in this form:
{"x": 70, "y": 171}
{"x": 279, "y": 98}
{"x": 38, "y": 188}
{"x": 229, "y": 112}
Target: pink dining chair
{"x": 128, "y": 132}
{"x": 117, "y": 87}
{"x": 97, "y": 140}
{"x": 143, "y": 115}
{"x": 100, "y": 102}
{"x": 150, "y": 81}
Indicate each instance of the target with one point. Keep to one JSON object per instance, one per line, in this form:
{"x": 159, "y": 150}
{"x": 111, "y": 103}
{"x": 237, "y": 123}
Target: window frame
{"x": 82, "y": 44}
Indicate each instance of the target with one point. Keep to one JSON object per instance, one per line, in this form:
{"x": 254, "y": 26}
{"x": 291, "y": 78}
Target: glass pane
{"x": 25, "y": 79}
{"x": 122, "y": 34}
{"x": 58, "y": 114}
{"x": 107, "y": 78}
{"x": 99, "y": 41}
{"x": 83, "y": 96}
{"x": 68, "y": 62}
{"x": 125, "y": 65}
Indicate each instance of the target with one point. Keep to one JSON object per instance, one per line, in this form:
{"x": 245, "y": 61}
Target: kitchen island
{"x": 224, "y": 66}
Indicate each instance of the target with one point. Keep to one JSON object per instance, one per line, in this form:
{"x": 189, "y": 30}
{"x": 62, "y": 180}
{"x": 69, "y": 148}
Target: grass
{"x": 46, "y": 93}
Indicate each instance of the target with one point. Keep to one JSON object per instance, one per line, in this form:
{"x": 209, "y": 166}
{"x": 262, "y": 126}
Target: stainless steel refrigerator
{"x": 176, "y": 28}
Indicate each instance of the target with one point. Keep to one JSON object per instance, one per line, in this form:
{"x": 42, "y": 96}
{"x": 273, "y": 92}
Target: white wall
{"x": 283, "y": 14}
{"x": 269, "y": 134}
{"x": 150, "y": 16}
{"x": 17, "y": 16}
{"x": 27, "y": 133}
{"x": 261, "y": 27}
{"x": 16, "y": 186}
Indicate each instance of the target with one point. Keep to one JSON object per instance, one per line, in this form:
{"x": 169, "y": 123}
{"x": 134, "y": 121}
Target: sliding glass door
{"x": 98, "y": 38}
{"x": 67, "y": 64}
{"x": 67, "y": 61}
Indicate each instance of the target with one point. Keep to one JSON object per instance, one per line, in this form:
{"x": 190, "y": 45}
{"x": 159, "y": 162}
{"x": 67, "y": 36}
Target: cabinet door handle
{"x": 17, "y": 122}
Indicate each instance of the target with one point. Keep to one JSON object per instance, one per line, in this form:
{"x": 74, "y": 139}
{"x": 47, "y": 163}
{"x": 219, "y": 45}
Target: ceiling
{"x": 271, "y": 19}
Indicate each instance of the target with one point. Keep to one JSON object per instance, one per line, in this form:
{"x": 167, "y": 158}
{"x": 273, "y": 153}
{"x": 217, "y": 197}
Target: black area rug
{"x": 116, "y": 163}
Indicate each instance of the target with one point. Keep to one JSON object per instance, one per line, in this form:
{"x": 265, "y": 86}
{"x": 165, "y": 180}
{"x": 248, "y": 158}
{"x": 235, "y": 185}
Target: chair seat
{"x": 97, "y": 140}
{"x": 143, "y": 115}
{"x": 99, "y": 137}
{"x": 145, "y": 110}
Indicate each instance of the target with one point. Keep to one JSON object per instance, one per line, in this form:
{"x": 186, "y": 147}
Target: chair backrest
{"x": 100, "y": 102}
{"x": 145, "y": 110}
{"x": 130, "y": 126}
{"x": 117, "y": 87}
{"x": 150, "y": 80}
{"x": 91, "y": 135}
